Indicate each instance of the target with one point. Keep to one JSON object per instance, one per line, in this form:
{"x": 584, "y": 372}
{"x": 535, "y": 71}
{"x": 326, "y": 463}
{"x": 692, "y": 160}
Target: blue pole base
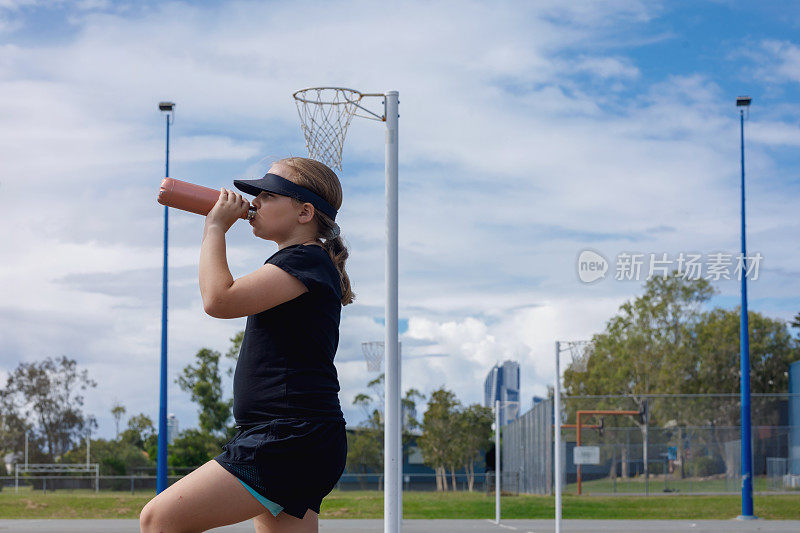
{"x": 748, "y": 517}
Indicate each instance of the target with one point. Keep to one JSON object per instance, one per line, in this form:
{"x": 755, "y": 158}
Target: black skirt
{"x": 292, "y": 462}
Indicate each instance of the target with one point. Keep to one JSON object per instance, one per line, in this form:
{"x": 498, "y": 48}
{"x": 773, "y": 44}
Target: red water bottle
{"x": 193, "y": 198}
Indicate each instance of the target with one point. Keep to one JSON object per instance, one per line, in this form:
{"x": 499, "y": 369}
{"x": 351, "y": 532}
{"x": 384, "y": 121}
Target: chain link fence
{"x": 690, "y": 444}
{"x": 525, "y": 449}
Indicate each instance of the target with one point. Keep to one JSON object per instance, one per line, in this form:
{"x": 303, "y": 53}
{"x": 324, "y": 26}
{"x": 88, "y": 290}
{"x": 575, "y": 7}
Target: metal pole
{"x": 744, "y": 346}
{"x": 97, "y": 478}
{"x": 161, "y": 474}
{"x": 400, "y": 458}
{"x": 645, "y": 449}
{"x": 557, "y": 431}
{"x": 498, "y": 472}
{"x": 88, "y": 444}
{"x": 578, "y": 433}
{"x": 392, "y": 496}
{"x": 26, "y": 450}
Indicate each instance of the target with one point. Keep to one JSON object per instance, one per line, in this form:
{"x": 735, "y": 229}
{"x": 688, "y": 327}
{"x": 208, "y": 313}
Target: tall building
{"x": 502, "y": 384}
{"x": 172, "y": 428}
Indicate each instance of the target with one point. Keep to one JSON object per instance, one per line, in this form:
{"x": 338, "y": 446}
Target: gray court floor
{"x": 436, "y": 526}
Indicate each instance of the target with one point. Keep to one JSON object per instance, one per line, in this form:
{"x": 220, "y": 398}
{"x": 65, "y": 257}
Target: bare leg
{"x": 207, "y": 498}
{"x": 285, "y": 523}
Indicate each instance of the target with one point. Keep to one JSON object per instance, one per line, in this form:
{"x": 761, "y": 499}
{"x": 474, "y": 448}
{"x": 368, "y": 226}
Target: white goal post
{"x": 57, "y": 468}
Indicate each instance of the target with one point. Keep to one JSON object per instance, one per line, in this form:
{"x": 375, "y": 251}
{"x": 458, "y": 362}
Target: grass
{"x": 71, "y": 504}
{"x": 426, "y": 505}
{"x": 432, "y": 505}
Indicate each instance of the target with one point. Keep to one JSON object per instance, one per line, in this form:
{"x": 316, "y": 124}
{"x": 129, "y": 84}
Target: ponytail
{"x": 339, "y": 254}
{"x": 320, "y": 179}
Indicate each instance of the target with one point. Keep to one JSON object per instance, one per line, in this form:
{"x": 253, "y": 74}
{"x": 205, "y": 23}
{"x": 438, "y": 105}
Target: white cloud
{"x": 607, "y": 67}
{"x": 783, "y": 61}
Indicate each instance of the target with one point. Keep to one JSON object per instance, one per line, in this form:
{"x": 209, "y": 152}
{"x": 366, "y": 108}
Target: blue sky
{"x": 528, "y": 133}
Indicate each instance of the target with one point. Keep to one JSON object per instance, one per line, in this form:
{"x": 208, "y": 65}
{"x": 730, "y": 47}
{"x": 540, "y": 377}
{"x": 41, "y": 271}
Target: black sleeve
{"x": 305, "y": 265}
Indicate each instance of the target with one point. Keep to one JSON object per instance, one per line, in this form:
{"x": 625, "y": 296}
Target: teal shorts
{"x": 271, "y": 506}
{"x": 291, "y": 463}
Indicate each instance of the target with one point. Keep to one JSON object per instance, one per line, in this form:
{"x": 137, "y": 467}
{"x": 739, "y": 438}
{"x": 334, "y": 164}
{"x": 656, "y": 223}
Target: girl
{"x": 290, "y": 448}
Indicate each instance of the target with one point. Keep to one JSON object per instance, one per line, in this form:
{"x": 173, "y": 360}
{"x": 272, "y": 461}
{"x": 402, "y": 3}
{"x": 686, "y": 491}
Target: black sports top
{"x": 285, "y": 367}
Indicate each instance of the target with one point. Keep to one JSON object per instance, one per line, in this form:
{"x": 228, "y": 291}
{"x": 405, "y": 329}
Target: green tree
{"x": 13, "y": 426}
{"x": 48, "y": 396}
{"x": 474, "y": 427}
{"x": 115, "y": 457}
{"x": 648, "y": 335}
{"x": 364, "y": 451}
{"x": 117, "y": 411}
{"x": 714, "y": 367}
{"x": 204, "y": 383}
{"x": 408, "y": 406}
{"x": 233, "y": 351}
{"x": 140, "y": 430}
{"x": 193, "y": 448}
{"x": 439, "y": 431}
{"x": 366, "y": 444}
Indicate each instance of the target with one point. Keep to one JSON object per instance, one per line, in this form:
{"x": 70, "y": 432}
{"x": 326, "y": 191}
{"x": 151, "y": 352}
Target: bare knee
{"x": 152, "y": 518}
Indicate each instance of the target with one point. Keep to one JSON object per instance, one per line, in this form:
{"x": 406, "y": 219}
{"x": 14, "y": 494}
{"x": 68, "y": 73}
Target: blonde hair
{"x": 320, "y": 179}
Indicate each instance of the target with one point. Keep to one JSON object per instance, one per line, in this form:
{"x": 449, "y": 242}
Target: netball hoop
{"x": 580, "y": 359}
{"x": 325, "y": 115}
{"x": 373, "y": 353}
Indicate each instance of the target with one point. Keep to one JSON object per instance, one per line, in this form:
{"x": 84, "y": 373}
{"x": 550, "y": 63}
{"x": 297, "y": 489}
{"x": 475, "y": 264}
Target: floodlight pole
{"x": 393, "y": 463}
{"x": 161, "y": 469}
{"x": 744, "y": 352}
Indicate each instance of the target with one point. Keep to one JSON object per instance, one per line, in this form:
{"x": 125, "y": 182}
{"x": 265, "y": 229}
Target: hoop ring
{"x": 343, "y": 90}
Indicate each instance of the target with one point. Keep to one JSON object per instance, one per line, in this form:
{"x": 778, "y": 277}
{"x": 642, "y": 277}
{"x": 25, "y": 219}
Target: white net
{"x": 325, "y": 114}
{"x": 578, "y": 352}
{"x": 373, "y": 353}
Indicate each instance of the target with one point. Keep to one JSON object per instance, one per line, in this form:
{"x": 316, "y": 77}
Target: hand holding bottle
{"x": 193, "y": 198}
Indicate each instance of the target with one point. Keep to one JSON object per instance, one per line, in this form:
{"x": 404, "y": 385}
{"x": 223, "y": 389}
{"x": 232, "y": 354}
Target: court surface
{"x": 436, "y": 526}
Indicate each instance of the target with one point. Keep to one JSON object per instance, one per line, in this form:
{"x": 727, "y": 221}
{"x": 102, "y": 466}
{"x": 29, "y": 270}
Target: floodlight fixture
{"x": 167, "y": 107}
{"x": 743, "y": 101}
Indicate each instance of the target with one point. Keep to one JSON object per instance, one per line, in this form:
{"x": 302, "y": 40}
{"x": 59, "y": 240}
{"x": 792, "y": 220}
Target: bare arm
{"x": 260, "y": 290}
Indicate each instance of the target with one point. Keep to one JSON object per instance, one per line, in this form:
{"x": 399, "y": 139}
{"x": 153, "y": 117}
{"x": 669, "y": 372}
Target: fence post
{"x": 97, "y": 478}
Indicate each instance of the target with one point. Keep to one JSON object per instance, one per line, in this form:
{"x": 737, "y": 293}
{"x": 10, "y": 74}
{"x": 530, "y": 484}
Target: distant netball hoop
{"x": 580, "y": 359}
{"x": 373, "y": 354}
{"x": 325, "y": 114}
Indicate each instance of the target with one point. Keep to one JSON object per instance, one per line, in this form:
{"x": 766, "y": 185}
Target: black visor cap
{"x": 278, "y": 185}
